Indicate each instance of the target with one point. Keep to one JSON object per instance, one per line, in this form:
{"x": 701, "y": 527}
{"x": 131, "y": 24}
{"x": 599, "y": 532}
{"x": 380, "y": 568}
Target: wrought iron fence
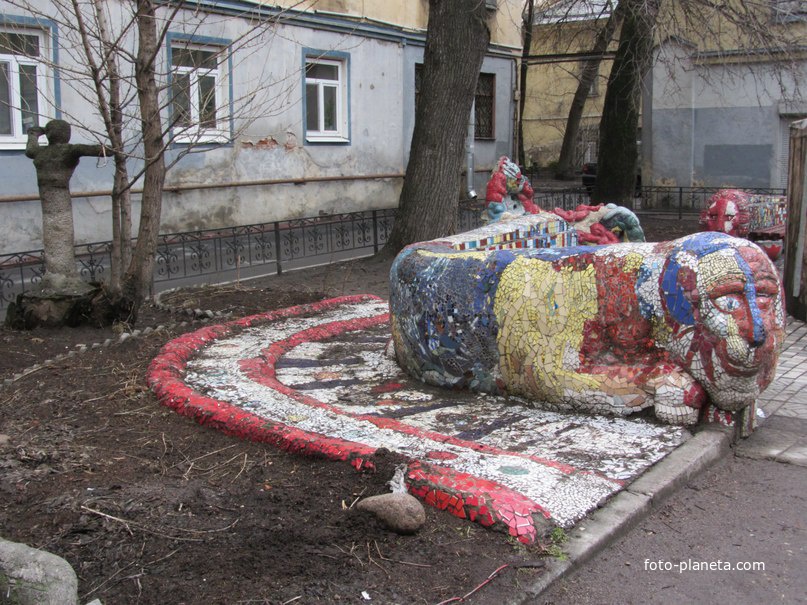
{"x": 567, "y": 199}
{"x": 685, "y": 199}
{"x": 232, "y": 253}
{"x": 262, "y": 249}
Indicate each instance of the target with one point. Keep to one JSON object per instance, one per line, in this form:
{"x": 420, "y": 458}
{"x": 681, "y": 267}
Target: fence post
{"x": 795, "y": 277}
{"x": 278, "y": 267}
{"x": 680, "y": 203}
{"x": 375, "y": 232}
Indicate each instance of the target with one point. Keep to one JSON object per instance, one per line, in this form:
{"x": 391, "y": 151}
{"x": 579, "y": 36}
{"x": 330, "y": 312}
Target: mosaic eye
{"x": 728, "y": 303}
{"x": 764, "y": 300}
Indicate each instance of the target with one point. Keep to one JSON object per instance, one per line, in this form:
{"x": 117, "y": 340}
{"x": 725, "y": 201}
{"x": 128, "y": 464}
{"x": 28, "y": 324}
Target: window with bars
{"x": 485, "y": 107}
{"x": 198, "y": 108}
{"x": 22, "y": 84}
{"x": 484, "y": 103}
{"x": 326, "y": 99}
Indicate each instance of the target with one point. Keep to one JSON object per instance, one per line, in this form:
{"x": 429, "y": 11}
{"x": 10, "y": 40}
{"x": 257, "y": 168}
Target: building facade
{"x": 716, "y": 106}
{"x": 272, "y": 112}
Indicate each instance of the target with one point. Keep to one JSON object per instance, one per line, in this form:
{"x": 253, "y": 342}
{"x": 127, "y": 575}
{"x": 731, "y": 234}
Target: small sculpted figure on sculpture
{"x": 727, "y": 212}
{"x": 55, "y": 164}
{"x": 508, "y": 192}
{"x": 613, "y": 329}
{"x": 760, "y": 218}
{"x": 509, "y": 195}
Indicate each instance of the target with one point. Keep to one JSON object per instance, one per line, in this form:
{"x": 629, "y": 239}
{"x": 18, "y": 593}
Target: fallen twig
{"x": 109, "y": 579}
{"x": 374, "y": 562}
{"x": 205, "y": 455}
{"x": 148, "y": 529}
{"x": 482, "y": 585}
{"x": 243, "y": 466}
{"x": 383, "y": 558}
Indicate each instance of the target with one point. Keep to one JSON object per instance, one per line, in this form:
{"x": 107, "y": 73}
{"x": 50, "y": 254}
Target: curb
{"x": 625, "y": 510}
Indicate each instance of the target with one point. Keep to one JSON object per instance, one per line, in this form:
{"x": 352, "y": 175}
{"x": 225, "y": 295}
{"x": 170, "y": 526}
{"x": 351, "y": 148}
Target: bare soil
{"x": 149, "y": 507}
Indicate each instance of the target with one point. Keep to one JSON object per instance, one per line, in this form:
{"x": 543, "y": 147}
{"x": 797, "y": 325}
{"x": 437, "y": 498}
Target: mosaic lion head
{"x": 723, "y": 315}
{"x": 727, "y": 211}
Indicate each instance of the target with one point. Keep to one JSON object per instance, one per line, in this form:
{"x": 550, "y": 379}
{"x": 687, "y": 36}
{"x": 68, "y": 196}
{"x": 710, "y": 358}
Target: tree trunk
{"x": 456, "y": 41}
{"x": 113, "y": 120}
{"x": 619, "y": 128}
{"x": 522, "y": 86}
{"x": 137, "y": 280}
{"x": 591, "y": 67}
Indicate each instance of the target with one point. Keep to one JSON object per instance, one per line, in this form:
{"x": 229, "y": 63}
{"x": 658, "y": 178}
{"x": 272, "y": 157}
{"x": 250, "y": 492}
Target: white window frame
{"x": 194, "y": 133}
{"x": 18, "y": 137}
{"x": 320, "y": 135}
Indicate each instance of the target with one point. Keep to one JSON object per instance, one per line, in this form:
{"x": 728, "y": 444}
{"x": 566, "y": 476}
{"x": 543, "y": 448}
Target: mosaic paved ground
{"x": 320, "y": 380}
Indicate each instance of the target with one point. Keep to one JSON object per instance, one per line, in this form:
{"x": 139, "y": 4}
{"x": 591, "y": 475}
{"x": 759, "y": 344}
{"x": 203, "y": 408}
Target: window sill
{"x": 338, "y": 140}
{"x": 201, "y": 139}
{"x": 12, "y": 145}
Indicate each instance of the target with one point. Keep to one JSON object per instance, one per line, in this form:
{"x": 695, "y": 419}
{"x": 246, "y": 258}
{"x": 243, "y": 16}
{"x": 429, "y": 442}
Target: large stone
{"x": 34, "y": 577}
{"x": 78, "y": 304}
{"x": 400, "y": 512}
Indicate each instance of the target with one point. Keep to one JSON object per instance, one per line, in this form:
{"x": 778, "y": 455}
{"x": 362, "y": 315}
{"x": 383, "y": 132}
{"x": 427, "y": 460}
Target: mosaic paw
{"x": 677, "y": 397}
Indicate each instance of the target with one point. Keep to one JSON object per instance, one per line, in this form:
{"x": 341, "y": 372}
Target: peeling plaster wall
{"x": 270, "y": 146}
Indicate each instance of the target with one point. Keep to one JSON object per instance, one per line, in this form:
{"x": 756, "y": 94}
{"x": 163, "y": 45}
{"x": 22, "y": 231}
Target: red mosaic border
{"x": 466, "y": 496}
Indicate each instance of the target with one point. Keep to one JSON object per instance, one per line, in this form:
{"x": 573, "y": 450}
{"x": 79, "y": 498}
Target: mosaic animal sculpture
{"x": 760, "y": 218}
{"x": 509, "y": 194}
{"x": 612, "y": 329}
{"x": 727, "y": 211}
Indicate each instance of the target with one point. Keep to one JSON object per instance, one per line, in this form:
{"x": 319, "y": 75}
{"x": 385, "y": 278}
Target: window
{"x": 22, "y": 84}
{"x": 325, "y": 100}
{"x": 198, "y": 114}
{"x": 484, "y": 107}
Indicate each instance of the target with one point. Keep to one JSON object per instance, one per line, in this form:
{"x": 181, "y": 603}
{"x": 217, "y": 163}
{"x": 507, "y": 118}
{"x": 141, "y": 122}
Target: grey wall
{"x": 714, "y": 147}
{"x": 716, "y": 125}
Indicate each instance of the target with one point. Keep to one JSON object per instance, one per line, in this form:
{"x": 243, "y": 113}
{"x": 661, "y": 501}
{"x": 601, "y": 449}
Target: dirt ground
{"x": 149, "y": 507}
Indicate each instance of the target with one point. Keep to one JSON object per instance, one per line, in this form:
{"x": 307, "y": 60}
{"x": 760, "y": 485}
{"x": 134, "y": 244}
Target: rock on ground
{"x": 402, "y": 513}
{"x": 34, "y": 577}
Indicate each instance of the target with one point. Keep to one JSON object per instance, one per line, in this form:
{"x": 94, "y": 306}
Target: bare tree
{"x": 591, "y": 68}
{"x": 526, "y": 28}
{"x": 738, "y": 35}
{"x": 456, "y": 41}
{"x": 619, "y": 127}
{"x": 117, "y": 69}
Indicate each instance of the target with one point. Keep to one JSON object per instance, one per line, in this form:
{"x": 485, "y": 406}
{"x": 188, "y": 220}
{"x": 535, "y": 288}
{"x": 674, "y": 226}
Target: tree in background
{"x": 526, "y": 28}
{"x": 456, "y": 41}
{"x": 619, "y": 127}
{"x": 591, "y": 68}
{"x": 739, "y": 34}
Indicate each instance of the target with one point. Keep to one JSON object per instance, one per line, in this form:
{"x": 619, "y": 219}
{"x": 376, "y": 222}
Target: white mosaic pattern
{"x": 604, "y": 452}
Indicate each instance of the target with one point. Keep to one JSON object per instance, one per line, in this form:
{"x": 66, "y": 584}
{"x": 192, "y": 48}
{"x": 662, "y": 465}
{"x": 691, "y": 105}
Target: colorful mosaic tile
{"x": 606, "y": 329}
{"x": 760, "y": 218}
{"x": 509, "y": 196}
{"x": 318, "y": 380}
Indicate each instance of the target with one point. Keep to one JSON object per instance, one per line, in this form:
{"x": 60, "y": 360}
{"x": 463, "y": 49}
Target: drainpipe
{"x": 469, "y": 155}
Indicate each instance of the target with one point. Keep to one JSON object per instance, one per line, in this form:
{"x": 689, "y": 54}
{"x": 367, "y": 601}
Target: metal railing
{"x": 213, "y": 255}
{"x": 683, "y": 200}
{"x": 242, "y": 252}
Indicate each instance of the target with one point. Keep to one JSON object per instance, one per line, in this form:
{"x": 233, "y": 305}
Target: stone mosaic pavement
{"x": 318, "y": 379}
{"x": 783, "y": 434}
